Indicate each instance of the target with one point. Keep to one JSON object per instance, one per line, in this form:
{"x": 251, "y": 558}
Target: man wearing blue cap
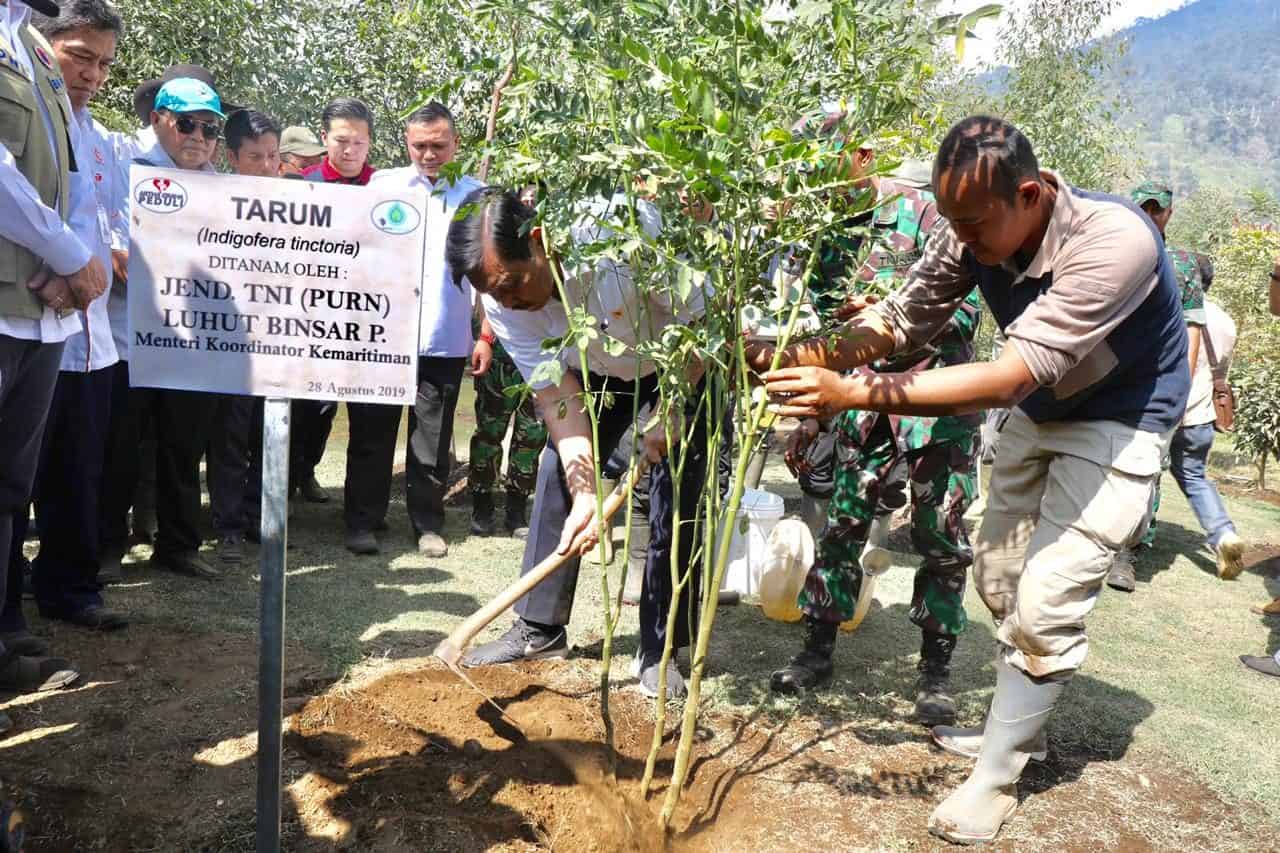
{"x": 187, "y": 120}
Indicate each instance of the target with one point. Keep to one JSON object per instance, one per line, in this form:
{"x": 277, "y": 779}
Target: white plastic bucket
{"x": 758, "y": 513}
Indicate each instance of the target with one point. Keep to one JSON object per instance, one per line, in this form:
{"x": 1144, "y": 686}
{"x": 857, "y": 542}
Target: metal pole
{"x": 275, "y": 536}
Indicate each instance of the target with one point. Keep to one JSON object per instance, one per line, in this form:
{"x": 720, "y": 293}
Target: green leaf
{"x": 551, "y": 371}
{"x": 635, "y": 49}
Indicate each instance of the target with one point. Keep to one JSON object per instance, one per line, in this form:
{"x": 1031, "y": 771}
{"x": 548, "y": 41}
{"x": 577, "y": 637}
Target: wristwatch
{"x": 489, "y": 338}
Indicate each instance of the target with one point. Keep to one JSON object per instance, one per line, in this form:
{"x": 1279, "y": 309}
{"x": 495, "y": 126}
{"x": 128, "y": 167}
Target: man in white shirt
{"x": 47, "y": 273}
{"x": 498, "y": 247}
{"x": 1189, "y": 450}
{"x": 83, "y": 37}
{"x": 444, "y": 335}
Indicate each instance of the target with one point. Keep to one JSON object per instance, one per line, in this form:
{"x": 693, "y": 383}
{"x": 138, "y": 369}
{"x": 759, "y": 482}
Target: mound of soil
{"x": 420, "y": 761}
{"x": 157, "y": 753}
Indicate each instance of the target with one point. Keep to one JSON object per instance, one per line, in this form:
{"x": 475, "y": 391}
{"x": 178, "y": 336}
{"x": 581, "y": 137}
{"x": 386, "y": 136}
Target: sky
{"x": 980, "y": 51}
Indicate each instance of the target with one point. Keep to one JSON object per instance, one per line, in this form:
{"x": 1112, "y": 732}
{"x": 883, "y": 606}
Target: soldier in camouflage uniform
{"x": 1156, "y": 200}
{"x": 880, "y": 457}
{"x": 494, "y": 410}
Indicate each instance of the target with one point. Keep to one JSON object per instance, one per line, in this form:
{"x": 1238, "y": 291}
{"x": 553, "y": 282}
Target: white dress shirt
{"x": 125, "y": 147}
{"x": 1221, "y": 330}
{"x": 94, "y": 348}
{"x": 444, "y": 329}
{"x": 624, "y": 316}
{"x": 26, "y": 220}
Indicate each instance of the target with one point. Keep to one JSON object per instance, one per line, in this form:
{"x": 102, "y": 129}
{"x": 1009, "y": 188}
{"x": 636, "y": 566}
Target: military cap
{"x": 1156, "y": 191}
{"x": 300, "y": 141}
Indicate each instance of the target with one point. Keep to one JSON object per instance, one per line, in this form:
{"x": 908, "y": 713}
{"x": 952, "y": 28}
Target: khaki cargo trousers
{"x": 1064, "y": 497}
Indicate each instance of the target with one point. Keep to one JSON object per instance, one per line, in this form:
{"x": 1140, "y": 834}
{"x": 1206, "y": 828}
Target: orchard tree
{"x": 1242, "y": 264}
{"x": 688, "y": 106}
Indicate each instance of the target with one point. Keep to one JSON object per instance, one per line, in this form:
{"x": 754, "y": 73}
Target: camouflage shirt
{"x": 899, "y": 232}
{"x": 1191, "y": 280}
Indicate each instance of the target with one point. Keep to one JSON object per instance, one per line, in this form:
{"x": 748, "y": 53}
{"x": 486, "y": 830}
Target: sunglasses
{"x": 187, "y": 125}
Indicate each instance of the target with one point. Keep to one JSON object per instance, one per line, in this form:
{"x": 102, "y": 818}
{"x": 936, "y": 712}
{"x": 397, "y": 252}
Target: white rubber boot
{"x": 975, "y": 811}
{"x": 967, "y": 743}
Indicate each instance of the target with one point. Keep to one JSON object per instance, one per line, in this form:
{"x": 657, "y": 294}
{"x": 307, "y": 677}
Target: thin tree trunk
{"x": 491, "y": 126}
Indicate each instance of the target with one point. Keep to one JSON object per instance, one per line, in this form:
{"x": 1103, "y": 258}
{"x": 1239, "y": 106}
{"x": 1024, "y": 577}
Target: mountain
{"x": 1204, "y": 86}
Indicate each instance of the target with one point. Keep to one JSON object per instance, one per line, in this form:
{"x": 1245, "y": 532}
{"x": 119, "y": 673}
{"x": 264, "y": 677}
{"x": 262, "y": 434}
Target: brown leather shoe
{"x": 1121, "y": 577}
{"x": 1270, "y": 608}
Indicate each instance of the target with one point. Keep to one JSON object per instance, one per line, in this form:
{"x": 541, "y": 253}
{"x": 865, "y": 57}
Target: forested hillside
{"x": 1204, "y": 82}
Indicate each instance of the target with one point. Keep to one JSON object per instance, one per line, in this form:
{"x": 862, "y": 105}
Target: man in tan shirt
{"x": 1096, "y": 373}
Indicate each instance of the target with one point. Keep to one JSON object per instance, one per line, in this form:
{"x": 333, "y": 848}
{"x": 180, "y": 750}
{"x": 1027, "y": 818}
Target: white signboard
{"x": 273, "y": 287}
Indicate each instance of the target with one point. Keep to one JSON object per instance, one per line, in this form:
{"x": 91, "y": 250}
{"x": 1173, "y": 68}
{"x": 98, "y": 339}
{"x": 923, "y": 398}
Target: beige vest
{"x": 22, "y": 131}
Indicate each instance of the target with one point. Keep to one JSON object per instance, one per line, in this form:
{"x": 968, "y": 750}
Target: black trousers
{"x": 182, "y": 420}
{"x": 28, "y": 374}
{"x": 66, "y": 496}
{"x": 551, "y": 602}
{"x": 426, "y": 459}
{"x": 234, "y": 466}
{"x": 129, "y": 421}
{"x": 371, "y": 451}
{"x": 310, "y": 422}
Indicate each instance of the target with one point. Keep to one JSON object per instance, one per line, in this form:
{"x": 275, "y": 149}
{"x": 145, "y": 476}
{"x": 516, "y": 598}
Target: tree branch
{"x": 491, "y": 127}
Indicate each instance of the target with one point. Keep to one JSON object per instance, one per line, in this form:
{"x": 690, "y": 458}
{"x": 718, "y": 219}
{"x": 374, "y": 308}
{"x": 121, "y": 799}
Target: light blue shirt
{"x": 91, "y": 219}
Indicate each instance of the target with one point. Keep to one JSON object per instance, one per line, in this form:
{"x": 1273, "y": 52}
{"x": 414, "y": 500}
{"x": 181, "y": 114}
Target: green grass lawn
{"x": 1162, "y": 681}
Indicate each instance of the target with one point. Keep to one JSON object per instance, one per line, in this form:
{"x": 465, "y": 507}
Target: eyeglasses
{"x": 187, "y": 125}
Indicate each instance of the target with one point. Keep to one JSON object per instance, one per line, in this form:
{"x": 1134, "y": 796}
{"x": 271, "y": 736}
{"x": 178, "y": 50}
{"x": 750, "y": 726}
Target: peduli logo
{"x": 396, "y": 217}
{"x": 160, "y": 195}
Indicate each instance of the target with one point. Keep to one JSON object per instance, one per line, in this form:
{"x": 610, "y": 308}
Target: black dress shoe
{"x": 363, "y": 542}
{"x": 312, "y": 492}
{"x": 94, "y": 618}
{"x": 36, "y": 674}
{"x": 191, "y": 563}
{"x": 24, "y": 643}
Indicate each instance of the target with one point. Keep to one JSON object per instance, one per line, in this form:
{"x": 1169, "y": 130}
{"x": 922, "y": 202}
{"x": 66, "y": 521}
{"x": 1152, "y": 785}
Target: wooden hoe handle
{"x": 451, "y": 647}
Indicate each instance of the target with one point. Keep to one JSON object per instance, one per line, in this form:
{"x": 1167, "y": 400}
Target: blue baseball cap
{"x": 188, "y": 95}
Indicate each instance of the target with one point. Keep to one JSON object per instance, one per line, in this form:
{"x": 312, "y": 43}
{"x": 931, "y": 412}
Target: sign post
{"x": 275, "y": 542}
{"x": 283, "y": 290}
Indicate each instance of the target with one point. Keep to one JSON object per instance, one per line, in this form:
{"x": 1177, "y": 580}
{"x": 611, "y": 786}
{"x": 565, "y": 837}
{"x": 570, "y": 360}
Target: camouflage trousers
{"x": 494, "y": 409}
{"x": 873, "y": 478}
{"x": 1149, "y": 538}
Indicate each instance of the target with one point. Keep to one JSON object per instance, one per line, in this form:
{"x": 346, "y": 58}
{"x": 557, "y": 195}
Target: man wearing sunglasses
{"x": 187, "y": 119}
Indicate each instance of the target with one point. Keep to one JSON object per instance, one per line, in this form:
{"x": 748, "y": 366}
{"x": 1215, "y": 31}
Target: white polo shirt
{"x": 444, "y": 308}
{"x": 626, "y": 316}
{"x": 94, "y": 347}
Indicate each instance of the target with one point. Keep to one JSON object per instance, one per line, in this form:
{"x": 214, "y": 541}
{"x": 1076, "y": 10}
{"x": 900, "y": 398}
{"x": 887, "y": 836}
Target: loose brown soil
{"x": 157, "y": 753}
